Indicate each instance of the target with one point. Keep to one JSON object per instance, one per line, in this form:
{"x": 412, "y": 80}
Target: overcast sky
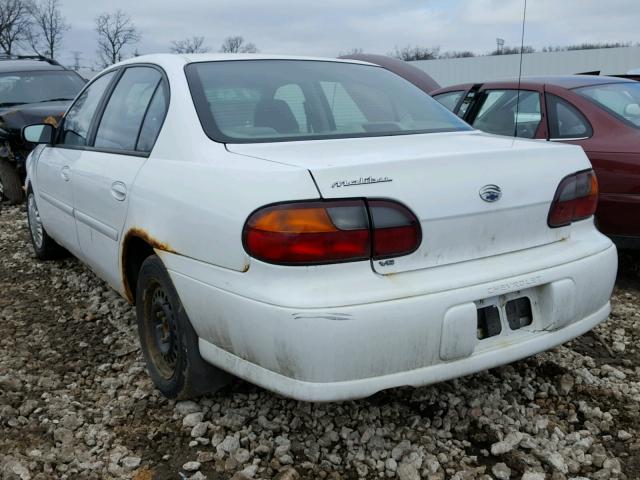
{"x": 329, "y": 27}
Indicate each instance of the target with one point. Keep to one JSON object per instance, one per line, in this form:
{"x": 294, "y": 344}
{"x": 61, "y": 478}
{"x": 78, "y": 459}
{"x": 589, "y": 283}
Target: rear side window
{"x": 450, "y": 99}
{"x": 565, "y": 120}
{"x": 622, "y": 100}
{"x": 78, "y": 119}
{"x": 153, "y": 119}
{"x": 498, "y": 113}
{"x": 126, "y": 109}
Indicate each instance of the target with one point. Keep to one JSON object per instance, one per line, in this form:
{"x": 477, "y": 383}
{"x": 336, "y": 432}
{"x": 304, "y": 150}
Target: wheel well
{"x": 135, "y": 251}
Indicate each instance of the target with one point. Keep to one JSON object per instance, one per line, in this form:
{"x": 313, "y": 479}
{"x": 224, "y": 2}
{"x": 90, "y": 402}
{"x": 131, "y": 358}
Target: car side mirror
{"x": 39, "y": 133}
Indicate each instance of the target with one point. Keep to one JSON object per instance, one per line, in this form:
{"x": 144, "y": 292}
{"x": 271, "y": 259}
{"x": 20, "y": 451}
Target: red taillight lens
{"x": 576, "y": 199}
{"x": 309, "y": 233}
{"x": 396, "y": 230}
{"x": 312, "y": 233}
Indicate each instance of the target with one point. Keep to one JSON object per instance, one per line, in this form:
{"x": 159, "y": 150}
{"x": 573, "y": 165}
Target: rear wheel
{"x": 169, "y": 342}
{"x": 10, "y": 182}
{"x": 44, "y": 246}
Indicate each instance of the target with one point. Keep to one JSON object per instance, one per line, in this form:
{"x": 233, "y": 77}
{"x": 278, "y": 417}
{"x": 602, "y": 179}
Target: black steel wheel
{"x": 167, "y": 338}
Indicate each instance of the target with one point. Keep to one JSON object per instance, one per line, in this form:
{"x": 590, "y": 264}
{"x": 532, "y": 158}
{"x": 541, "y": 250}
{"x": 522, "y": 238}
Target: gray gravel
{"x": 75, "y": 402}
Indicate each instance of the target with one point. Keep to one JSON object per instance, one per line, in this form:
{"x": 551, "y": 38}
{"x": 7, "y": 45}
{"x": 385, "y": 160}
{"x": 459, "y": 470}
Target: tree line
{"x": 411, "y": 53}
{"x": 38, "y": 27}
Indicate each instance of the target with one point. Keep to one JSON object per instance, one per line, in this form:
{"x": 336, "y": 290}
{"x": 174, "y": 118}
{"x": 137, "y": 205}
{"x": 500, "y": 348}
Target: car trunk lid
{"x": 440, "y": 177}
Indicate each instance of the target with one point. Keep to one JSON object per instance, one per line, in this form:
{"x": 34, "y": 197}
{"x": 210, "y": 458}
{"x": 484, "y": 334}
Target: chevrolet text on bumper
{"x": 322, "y": 228}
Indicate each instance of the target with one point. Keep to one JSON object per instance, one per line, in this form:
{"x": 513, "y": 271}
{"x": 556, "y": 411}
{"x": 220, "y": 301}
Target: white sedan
{"x": 318, "y": 227}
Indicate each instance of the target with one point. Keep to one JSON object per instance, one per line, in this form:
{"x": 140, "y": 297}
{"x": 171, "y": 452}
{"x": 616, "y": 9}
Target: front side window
{"x": 125, "y": 111}
{"x": 622, "y": 100}
{"x": 504, "y": 112}
{"x": 565, "y": 120}
{"x": 450, "y": 99}
{"x": 286, "y": 100}
{"x": 38, "y": 86}
{"x": 75, "y": 129}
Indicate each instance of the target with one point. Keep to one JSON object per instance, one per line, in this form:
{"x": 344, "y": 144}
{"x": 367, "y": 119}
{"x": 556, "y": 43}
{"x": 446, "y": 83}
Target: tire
{"x": 10, "y": 182}
{"x": 169, "y": 342}
{"x": 44, "y": 246}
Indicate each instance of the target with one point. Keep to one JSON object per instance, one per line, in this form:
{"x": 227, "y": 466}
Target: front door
{"x": 55, "y": 170}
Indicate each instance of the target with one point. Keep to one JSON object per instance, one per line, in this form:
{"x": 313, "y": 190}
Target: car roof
{"x": 573, "y": 81}
{"x": 18, "y": 65}
{"x": 564, "y": 81}
{"x": 161, "y": 58}
{"x": 415, "y": 75}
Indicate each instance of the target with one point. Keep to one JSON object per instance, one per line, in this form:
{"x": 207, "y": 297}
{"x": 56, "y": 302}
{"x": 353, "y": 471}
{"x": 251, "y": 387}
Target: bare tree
{"x": 115, "y": 31}
{"x": 48, "y": 27}
{"x": 189, "y": 45}
{"x": 237, "y": 45}
{"x": 410, "y": 53}
{"x": 15, "y": 24}
{"x": 353, "y": 51}
{"x": 458, "y": 54}
{"x": 507, "y": 50}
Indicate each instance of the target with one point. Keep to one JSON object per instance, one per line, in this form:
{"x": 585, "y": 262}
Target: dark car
{"x": 418, "y": 77}
{"x": 599, "y": 113}
{"x": 32, "y": 90}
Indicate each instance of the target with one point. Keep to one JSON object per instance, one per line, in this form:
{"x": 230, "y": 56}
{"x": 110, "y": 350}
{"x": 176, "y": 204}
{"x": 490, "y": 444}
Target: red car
{"x": 601, "y": 114}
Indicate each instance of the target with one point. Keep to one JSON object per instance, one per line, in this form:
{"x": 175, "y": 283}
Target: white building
{"x": 450, "y": 71}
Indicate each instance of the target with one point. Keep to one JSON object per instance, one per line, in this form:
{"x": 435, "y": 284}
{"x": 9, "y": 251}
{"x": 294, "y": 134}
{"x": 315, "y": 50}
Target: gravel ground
{"x": 75, "y": 401}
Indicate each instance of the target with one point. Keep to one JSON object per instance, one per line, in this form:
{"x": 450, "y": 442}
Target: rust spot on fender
{"x": 149, "y": 239}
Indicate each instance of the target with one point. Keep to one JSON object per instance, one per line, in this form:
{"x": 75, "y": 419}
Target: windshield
{"x": 620, "y": 99}
{"x": 279, "y": 100}
{"x": 17, "y": 88}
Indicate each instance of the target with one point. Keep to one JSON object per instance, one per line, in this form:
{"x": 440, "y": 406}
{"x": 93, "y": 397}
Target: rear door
{"x": 122, "y": 140}
{"x": 504, "y": 110}
{"x": 55, "y": 175}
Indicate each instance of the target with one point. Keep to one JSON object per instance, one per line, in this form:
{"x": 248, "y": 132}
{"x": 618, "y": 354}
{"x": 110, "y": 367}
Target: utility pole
{"x": 499, "y": 45}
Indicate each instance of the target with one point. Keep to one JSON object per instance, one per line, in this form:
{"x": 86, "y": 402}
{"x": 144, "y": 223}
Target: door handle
{"x": 65, "y": 173}
{"x": 119, "y": 191}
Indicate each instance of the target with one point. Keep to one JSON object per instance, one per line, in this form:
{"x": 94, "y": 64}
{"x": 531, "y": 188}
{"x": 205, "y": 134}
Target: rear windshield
{"x": 620, "y": 99}
{"x": 17, "y": 88}
{"x": 279, "y": 100}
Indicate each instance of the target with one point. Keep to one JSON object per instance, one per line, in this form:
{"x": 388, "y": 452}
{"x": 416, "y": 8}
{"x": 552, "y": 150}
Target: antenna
{"x": 524, "y": 18}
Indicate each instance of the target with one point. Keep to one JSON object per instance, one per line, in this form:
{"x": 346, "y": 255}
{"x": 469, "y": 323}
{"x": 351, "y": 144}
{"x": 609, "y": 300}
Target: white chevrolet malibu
{"x": 321, "y": 228}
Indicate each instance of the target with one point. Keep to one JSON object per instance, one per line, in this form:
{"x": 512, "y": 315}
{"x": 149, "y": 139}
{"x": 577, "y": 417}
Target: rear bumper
{"x": 310, "y": 346}
{"x": 364, "y": 387}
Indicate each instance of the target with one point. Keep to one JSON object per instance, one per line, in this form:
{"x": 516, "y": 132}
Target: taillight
{"x": 576, "y": 199}
{"x": 317, "y": 232}
{"x": 396, "y": 231}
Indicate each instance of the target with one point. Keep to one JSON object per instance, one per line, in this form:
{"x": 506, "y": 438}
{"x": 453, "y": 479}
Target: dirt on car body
{"x": 75, "y": 401}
